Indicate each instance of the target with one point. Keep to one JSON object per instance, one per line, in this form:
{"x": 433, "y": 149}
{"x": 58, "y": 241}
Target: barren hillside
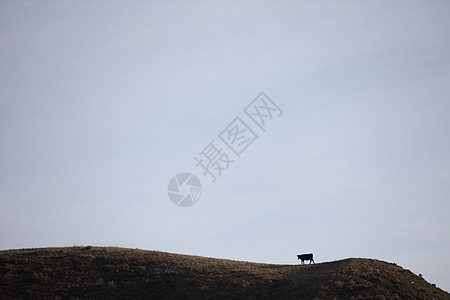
{"x": 107, "y": 272}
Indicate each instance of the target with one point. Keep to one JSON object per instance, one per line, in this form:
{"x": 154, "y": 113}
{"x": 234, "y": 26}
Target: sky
{"x": 102, "y": 103}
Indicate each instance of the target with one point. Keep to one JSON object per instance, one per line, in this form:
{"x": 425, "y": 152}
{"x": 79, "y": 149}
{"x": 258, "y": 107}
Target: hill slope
{"x": 107, "y": 272}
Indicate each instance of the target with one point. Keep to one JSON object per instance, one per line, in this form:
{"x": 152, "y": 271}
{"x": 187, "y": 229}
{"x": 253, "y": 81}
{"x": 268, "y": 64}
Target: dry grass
{"x": 107, "y": 272}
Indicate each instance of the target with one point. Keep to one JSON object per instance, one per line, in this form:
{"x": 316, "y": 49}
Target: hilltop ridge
{"x": 109, "y": 272}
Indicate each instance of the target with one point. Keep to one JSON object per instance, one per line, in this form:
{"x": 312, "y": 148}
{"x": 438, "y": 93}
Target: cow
{"x": 304, "y": 257}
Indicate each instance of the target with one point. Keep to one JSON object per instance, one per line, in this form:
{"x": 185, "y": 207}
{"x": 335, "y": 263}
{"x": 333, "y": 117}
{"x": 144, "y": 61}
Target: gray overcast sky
{"x": 103, "y": 102}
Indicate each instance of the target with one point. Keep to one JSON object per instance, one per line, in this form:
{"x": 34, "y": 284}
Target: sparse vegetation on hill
{"x": 107, "y": 272}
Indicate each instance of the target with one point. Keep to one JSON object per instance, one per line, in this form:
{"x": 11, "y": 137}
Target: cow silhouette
{"x": 304, "y": 257}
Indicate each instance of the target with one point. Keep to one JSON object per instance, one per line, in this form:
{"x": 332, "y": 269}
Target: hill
{"x": 108, "y": 272}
